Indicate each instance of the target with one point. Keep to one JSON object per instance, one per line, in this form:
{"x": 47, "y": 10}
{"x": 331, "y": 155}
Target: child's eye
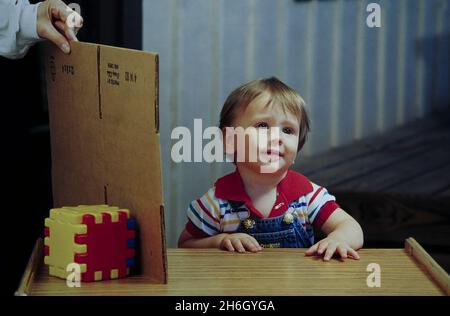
{"x": 262, "y": 125}
{"x": 288, "y": 130}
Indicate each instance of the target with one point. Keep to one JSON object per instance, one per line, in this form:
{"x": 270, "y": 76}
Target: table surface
{"x": 270, "y": 272}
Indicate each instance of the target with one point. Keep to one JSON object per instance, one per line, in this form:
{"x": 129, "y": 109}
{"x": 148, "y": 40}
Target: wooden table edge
{"x": 438, "y": 274}
{"x": 31, "y": 269}
{"x": 412, "y": 248}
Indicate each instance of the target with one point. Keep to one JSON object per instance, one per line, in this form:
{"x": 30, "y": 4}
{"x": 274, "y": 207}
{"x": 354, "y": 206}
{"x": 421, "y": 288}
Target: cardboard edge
{"x": 437, "y": 273}
{"x": 163, "y": 242}
{"x": 100, "y": 111}
{"x": 31, "y": 270}
{"x": 157, "y": 93}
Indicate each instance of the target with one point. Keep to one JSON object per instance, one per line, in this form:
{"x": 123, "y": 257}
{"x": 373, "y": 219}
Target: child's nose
{"x": 275, "y": 138}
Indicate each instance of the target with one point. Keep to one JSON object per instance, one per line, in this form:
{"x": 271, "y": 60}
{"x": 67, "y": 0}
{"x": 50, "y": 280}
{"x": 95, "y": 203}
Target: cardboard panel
{"x": 103, "y": 105}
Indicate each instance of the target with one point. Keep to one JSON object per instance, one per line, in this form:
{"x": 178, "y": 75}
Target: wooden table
{"x": 408, "y": 271}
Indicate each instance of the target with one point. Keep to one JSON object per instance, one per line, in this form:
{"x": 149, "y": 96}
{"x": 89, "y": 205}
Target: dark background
{"x": 26, "y": 193}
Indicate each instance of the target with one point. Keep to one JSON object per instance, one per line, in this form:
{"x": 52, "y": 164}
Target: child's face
{"x": 279, "y": 149}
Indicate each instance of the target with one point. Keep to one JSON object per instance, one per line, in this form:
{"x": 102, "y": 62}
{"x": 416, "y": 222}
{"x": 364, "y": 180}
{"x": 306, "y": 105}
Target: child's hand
{"x": 240, "y": 242}
{"x": 329, "y": 246}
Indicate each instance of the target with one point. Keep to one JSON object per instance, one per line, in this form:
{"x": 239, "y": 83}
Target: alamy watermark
{"x": 374, "y": 17}
{"x": 73, "y": 279}
{"x": 374, "y": 278}
{"x": 235, "y": 145}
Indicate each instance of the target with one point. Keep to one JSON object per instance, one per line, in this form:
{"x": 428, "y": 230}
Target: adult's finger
{"x": 68, "y": 32}
{"x": 60, "y": 10}
{"x": 50, "y": 33}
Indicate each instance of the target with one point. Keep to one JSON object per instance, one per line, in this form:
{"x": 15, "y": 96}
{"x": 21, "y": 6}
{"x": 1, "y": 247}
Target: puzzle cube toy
{"x": 100, "y": 238}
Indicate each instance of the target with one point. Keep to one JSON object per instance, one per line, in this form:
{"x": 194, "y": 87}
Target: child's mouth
{"x": 274, "y": 152}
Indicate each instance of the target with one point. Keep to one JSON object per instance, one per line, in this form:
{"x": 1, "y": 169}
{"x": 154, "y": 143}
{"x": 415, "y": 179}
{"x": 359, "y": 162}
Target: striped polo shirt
{"x": 224, "y": 206}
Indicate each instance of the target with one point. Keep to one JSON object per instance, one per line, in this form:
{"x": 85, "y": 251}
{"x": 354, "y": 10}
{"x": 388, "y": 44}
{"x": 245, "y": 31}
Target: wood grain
{"x": 271, "y": 272}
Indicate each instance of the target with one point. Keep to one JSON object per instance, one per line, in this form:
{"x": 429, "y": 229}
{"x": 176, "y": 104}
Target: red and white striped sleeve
{"x": 320, "y": 205}
{"x": 204, "y": 216}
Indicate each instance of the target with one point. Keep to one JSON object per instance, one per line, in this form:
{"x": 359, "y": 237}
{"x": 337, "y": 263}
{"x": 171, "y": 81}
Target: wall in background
{"x": 357, "y": 81}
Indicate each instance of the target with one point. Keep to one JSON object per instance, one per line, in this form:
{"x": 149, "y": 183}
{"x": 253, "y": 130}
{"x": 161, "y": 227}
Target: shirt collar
{"x": 231, "y": 187}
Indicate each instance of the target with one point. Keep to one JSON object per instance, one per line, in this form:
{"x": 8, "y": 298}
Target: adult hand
{"x": 55, "y": 13}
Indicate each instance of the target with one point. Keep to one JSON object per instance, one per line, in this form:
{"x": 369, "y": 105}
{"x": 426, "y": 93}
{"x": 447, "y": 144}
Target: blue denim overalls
{"x": 284, "y": 231}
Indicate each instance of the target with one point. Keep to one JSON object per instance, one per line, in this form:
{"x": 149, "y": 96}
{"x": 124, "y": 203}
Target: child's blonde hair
{"x": 280, "y": 93}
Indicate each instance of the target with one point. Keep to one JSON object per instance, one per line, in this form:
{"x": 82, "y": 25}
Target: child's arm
{"x": 239, "y": 242}
{"x": 344, "y": 236}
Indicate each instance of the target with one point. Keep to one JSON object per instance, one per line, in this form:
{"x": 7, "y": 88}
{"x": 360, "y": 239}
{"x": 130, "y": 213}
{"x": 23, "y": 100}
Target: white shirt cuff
{"x": 28, "y": 23}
